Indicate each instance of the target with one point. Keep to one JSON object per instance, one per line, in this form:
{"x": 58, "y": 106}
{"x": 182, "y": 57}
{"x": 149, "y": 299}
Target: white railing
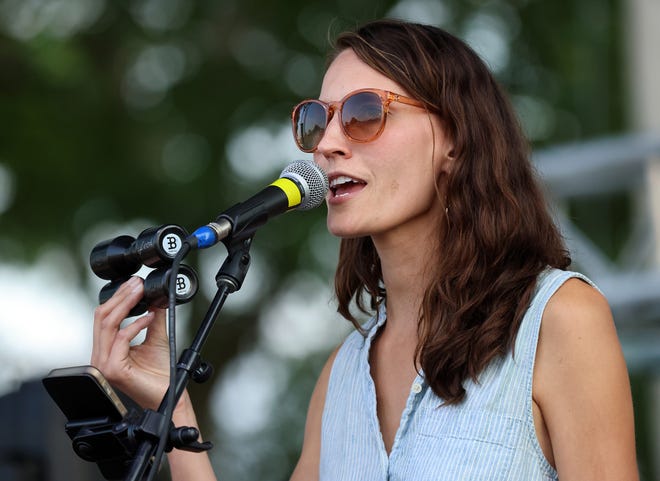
{"x": 632, "y": 284}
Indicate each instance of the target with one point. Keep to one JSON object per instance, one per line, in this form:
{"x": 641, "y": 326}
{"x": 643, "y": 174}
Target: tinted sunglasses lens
{"x": 362, "y": 116}
{"x": 309, "y": 124}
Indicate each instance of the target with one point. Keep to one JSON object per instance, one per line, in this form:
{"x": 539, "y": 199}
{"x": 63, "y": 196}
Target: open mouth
{"x": 344, "y": 185}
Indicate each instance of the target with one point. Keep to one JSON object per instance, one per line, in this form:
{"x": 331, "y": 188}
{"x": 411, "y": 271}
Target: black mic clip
{"x": 112, "y": 445}
{"x": 235, "y": 267}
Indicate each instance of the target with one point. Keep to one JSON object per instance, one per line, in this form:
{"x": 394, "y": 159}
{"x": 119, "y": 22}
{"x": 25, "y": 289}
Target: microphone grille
{"x": 314, "y": 180}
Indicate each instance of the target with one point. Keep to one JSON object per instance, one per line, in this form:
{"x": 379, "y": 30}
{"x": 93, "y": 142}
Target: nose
{"x": 334, "y": 142}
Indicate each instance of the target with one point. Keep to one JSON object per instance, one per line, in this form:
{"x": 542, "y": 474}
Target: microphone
{"x": 302, "y": 185}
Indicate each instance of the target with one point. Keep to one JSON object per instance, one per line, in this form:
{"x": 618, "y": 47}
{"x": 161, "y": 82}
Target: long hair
{"x": 497, "y": 235}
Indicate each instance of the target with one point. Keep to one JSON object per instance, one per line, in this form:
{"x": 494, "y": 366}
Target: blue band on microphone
{"x": 206, "y": 237}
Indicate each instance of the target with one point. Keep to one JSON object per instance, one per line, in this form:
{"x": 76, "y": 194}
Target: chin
{"x": 344, "y": 231}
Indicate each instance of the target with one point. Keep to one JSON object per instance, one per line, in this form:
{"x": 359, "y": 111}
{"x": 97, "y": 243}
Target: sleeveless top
{"x": 489, "y": 436}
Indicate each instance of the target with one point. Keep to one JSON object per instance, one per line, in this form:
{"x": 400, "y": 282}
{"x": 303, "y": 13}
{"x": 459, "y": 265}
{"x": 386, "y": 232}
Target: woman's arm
{"x": 307, "y": 468}
{"x": 582, "y": 388}
{"x": 185, "y": 465}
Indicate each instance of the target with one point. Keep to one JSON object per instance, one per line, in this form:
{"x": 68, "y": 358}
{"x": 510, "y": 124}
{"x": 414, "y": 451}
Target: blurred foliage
{"x": 86, "y": 118}
{"x": 129, "y": 116}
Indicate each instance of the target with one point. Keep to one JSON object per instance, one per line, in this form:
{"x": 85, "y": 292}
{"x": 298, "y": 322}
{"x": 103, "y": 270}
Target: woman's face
{"x": 386, "y": 187}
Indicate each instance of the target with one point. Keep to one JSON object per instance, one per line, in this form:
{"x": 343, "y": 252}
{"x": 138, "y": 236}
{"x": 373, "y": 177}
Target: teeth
{"x": 342, "y": 179}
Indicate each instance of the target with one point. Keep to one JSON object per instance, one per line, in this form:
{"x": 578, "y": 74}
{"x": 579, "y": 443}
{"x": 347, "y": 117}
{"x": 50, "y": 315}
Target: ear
{"x": 444, "y": 154}
{"x": 447, "y": 157}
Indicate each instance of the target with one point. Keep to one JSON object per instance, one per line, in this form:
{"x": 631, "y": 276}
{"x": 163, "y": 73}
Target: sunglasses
{"x": 362, "y": 115}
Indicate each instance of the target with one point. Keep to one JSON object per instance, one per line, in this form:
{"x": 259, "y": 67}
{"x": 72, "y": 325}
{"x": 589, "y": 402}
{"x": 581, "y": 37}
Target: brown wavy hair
{"x": 497, "y": 235}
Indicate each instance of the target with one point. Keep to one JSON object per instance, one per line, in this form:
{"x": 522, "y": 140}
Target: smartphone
{"x": 81, "y": 392}
{"x": 94, "y": 410}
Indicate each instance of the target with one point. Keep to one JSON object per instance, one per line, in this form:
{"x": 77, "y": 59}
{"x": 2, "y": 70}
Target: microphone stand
{"x": 229, "y": 279}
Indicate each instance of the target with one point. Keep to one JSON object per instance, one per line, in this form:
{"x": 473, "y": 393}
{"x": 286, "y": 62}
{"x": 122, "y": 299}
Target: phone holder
{"x": 105, "y": 426}
{"x": 112, "y": 446}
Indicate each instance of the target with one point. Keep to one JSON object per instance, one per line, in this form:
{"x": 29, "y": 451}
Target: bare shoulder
{"x": 582, "y": 388}
{"x": 577, "y": 299}
{"x": 307, "y": 468}
{"x": 577, "y": 331}
{"x": 577, "y": 336}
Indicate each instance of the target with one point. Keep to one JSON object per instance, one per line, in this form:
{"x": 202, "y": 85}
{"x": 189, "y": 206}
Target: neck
{"x": 406, "y": 275}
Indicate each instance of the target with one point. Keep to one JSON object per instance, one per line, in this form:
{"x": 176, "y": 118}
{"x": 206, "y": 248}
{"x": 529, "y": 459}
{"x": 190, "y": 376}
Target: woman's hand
{"x": 141, "y": 371}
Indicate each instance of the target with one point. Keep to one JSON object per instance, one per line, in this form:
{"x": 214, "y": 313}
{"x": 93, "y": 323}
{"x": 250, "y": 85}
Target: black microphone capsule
{"x": 124, "y": 255}
{"x": 108, "y": 259}
{"x": 156, "y": 289}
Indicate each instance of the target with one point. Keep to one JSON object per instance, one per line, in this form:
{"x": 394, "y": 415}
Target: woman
{"x": 485, "y": 358}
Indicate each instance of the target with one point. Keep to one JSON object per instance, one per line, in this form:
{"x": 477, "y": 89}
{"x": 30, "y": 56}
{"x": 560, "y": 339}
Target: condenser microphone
{"x": 302, "y": 185}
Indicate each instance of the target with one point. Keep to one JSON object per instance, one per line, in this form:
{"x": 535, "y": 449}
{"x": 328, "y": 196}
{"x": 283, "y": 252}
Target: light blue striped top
{"x": 489, "y": 436}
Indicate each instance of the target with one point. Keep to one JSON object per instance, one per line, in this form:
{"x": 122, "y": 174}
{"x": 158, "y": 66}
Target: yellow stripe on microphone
{"x": 290, "y": 189}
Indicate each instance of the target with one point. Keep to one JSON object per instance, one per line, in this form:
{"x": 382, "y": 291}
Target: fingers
{"x": 140, "y": 370}
{"x": 109, "y": 315}
{"x": 118, "y": 355}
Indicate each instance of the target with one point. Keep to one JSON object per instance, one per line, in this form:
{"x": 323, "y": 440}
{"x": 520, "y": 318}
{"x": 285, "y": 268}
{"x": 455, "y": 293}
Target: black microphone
{"x": 124, "y": 255}
{"x": 302, "y": 185}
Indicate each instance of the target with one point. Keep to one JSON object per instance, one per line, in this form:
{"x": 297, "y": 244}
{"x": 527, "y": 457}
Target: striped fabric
{"x": 489, "y": 436}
